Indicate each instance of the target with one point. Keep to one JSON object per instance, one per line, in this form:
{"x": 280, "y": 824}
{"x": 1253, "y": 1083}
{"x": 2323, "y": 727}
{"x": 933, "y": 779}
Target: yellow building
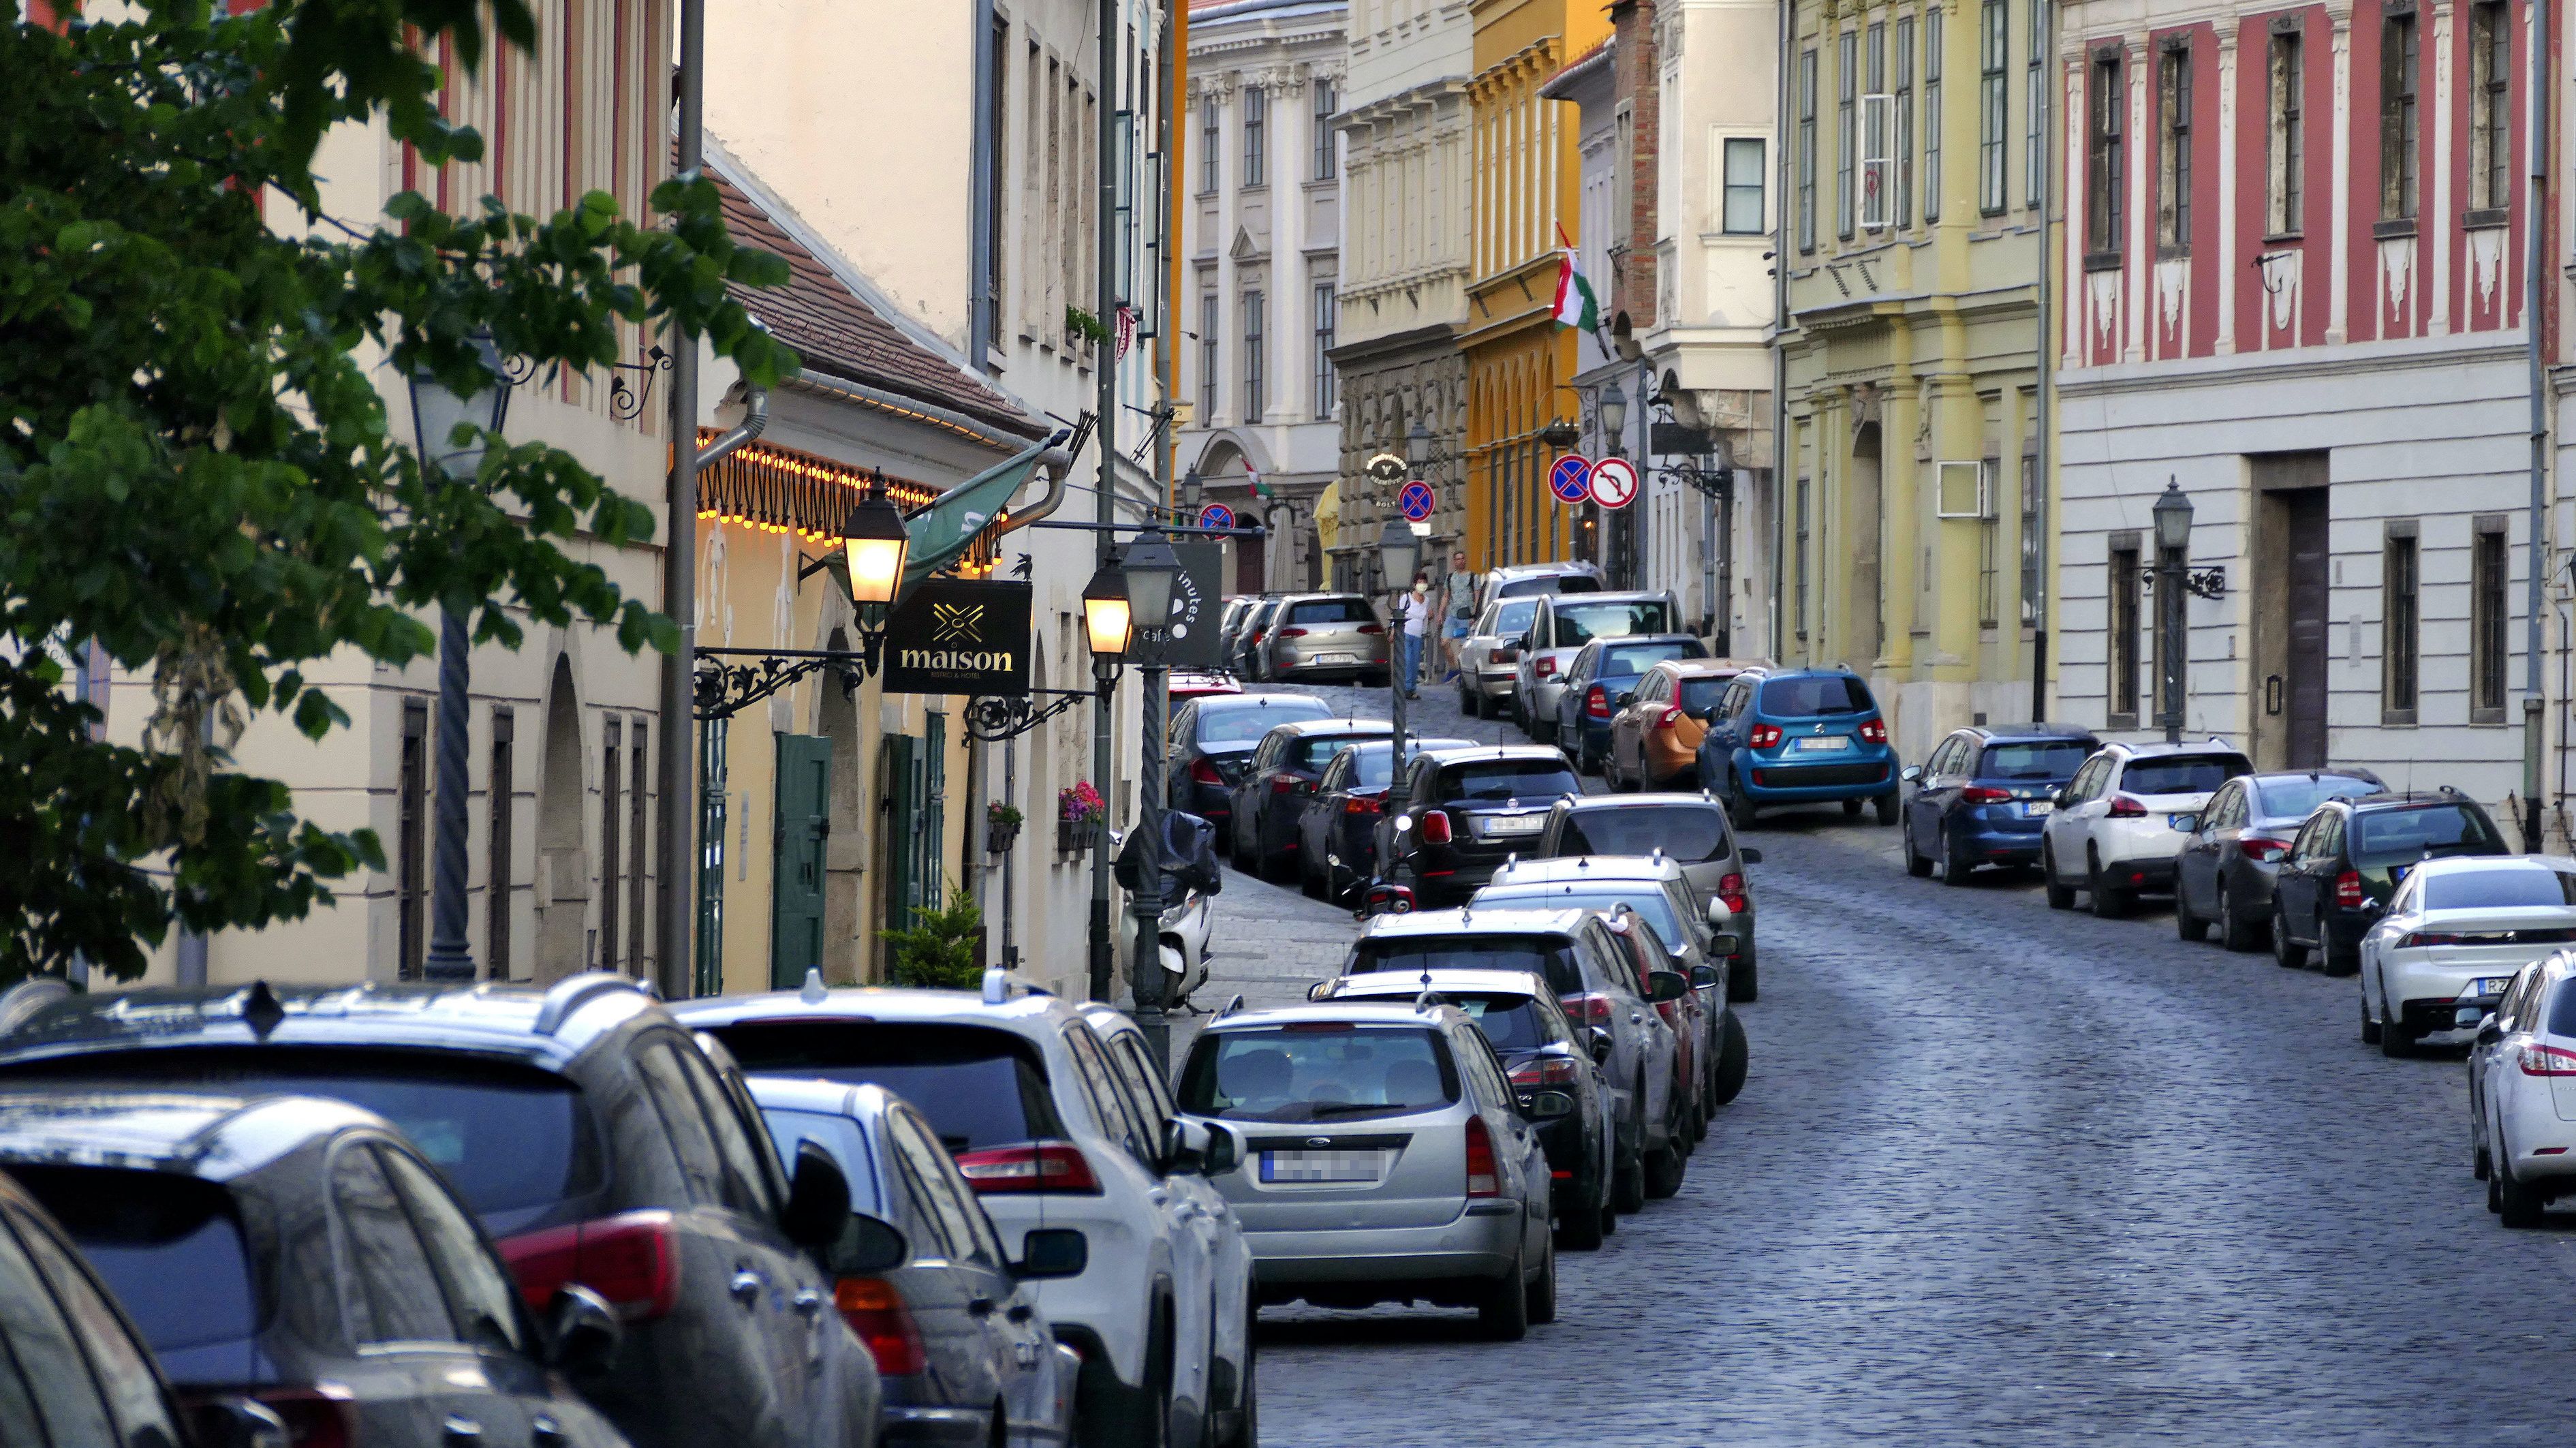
{"x": 1526, "y": 176}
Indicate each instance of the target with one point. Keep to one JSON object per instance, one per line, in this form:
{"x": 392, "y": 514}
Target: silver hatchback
{"x": 1324, "y": 635}
{"x": 1385, "y": 1159}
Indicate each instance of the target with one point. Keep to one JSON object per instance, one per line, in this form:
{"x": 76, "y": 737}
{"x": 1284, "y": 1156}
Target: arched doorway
{"x": 845, "y": 850}
{"x": 563, "y": 872}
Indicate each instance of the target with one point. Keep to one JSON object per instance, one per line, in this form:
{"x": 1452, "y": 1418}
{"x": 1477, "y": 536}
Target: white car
{"x": 1564, "y": 623}
{"x": 2522, "y": 1092}
{"x": 1023, "y": 1093}
{"x": 2117, "y": 826}
{"x": 2455, "y": 933}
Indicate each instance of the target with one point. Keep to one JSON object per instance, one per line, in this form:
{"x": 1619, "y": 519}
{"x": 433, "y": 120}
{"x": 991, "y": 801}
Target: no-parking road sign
{"x": 1216, "y": 515}
{"x": 1571, "y": 478}
{"x": 1614, "y": 482}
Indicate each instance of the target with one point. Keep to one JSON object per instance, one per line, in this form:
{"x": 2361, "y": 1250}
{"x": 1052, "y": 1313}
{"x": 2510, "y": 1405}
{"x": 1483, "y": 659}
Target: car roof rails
{"x": 573, "y": 992}
{"x": 19, "y": 1004}
{"x": 1230, "y": 1007}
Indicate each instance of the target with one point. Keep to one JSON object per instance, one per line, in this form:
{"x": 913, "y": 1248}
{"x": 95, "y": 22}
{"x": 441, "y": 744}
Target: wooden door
{"x": 796, "y": 879}
{"x": 2310, "y": 565}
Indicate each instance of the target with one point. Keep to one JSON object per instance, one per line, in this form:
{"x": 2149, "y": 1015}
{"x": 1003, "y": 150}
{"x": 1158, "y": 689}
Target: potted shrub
{"x": 1079, "y": 813}
{"x": 1001, "y": 827}
{"x": 942, "y": 950}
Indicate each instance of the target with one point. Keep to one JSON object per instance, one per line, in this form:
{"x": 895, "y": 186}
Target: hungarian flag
{"x": 1575, "y": 304}
{"x": 1261, "y": 489}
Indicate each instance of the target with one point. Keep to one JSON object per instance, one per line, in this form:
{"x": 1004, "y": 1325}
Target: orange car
{"x": 1654, "y": 738}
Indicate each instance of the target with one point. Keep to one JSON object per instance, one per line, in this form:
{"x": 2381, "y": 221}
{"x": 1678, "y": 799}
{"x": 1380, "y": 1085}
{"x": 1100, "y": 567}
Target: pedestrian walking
{"x": 1457, "y": 609}
{"x": 1416, "y": 608}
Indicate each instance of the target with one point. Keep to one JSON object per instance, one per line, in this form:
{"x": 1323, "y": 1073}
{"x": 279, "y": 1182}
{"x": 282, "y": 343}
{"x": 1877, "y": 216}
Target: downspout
{"x": 1781, "y": 464}
{"x": 2044, "y": 383}
{"x": 2534, "y": 256}
{"x": 755, "y": 421}
{"x": 676, "y": 856}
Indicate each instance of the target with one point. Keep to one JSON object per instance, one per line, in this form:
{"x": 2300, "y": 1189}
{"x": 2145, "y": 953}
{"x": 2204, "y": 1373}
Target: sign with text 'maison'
{"x": 960, "y": 636}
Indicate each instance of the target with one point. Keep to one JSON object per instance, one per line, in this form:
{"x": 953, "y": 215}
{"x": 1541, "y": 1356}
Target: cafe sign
{"x": 959, "y": 636}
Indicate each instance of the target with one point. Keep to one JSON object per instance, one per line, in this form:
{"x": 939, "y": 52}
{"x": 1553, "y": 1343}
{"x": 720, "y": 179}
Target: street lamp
{"x": 1614, "y": 417}
{"x": 1417, "y": 446}
{"x": 2172, "y": 513}
{"x": 875, "y": 540}
{"x": 1108, "y": 624}
{"x": 1152, "y": 569}
{"x": 437, "y": 413}
{"x": 1193, "y": 488}
{"x": 2173, "y": 519}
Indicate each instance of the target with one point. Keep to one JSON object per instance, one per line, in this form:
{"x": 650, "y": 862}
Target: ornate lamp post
{"x": 437, "y": 412}
{"x": 1151, "y": 570}
{"x": 2173, "y": 543}
{"x": 1398, "y": 550}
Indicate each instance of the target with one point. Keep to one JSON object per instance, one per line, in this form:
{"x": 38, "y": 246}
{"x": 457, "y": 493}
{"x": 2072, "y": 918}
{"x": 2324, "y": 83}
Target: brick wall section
{"x": 1632, "y": 254}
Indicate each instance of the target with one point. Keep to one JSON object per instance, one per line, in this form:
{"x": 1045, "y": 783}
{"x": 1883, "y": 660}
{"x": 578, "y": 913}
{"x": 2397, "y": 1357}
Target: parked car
{"x": 1655, "y": 735}
{"x": 1387, "y": 1159}
{"x": 2454, "y": 934}
{"x": 94, "y": 1379}
{"x": 1529, "y": 580}
{"x": 1595, "y": 981}
{"x": 1542, "y": 1050}
{"x": 2113, "y": 830}
{"x": 1211, "y": 744}
{"x": 299, "y": 1250}
{"x": 1184, "y": 685}
{"x": 1487, "y": 656}
{"x": 1022, "y": 1094}
{"x": 1337, "y": 826}
{"x": 596, "y": 1142}
{"x": 923, "y": 1277}
{"x": 1601, "y": 674}
{"x": 1229, "y": 626}
{"x": 1798, "y": 736}
{"x": 1464, "y": 812}
{"x": 1261, "y": 831}
{"x": 1691, "y": 831}
{"x": 1249, "y": 636}
{"x": 2223, "y": 873}
{"x": 1324, "y": 636}
{"x": 2348, "y": 859}
{"x": 1563, "y": 624}
{"x": 1982, "y": 796}
{"x": 2522, "y": 1092}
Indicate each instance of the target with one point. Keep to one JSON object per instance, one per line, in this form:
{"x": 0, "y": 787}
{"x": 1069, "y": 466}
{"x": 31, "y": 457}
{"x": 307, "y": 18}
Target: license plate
{"x": 1322, "y": 1166}
{"x": 2485, "y": 986}
{"x": 1820, "y": 744}
{"x": 2034, "y": 808}
{"x": 1515, "y": 824}
{"x": 1332, "y": 658}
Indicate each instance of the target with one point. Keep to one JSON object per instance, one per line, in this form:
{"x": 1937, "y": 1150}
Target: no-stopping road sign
{"x": 1571, "y": 478}
{"x": 1614, "y": 482}
{"x": 1416, "y": 500}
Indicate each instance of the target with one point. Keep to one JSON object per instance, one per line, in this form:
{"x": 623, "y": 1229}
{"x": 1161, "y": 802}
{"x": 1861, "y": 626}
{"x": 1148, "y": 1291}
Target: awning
{"x": 946, "y": 527}
{"x": 1328, "y": 513}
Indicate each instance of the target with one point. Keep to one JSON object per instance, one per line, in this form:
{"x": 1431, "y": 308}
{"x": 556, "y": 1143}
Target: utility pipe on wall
{"x": 2535, "y": 252}
{"x": 678, "y": 840}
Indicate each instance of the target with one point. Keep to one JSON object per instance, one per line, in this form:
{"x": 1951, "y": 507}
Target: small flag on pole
{"x": 1260, "y": 488}
{"x": 1575, "y": 304}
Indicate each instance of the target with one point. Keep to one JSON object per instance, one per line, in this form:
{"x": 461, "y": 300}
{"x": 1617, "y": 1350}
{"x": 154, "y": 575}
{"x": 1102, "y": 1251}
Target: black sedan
{"x": 1262, "y": 813}
{"x": 1211, "y": 744}
{"x": 1465, "y": 812}
{"x": 2347, "y": 861}
{"x": 1337, "y": 828}
{"x": 2224, "y": 871}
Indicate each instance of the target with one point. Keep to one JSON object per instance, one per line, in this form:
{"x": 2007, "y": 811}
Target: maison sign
{"x": 959, "y": 636}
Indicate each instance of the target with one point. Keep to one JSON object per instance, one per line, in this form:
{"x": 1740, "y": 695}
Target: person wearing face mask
{"x": 1416, "y": 607}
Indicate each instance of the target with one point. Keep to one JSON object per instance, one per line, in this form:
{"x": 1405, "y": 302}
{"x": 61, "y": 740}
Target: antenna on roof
{"x": 997, "y": 986}
{"x": 813, "y": 994}
{"x": 261, "y": 1011}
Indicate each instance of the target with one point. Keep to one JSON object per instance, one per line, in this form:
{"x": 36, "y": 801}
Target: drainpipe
{"x": 2534, "y": 257}
{"x": 677, "y": 866}
{"x": 2044, "y": 384}
{"x": 1782, "y": 465}
{"x": 755, "y": 421}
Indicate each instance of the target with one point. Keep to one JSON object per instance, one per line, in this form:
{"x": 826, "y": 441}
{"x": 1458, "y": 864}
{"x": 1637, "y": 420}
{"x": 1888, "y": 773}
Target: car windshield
{"x": 2499, "y": 889}
{"x": 1511, "y": 1022}
{"x": 1638, "y": 658}
{"x": 1318, "y": 1071}
{"x": 1375, "y": 767}
{"x": 1511, "y": 618}
{"x": 1807, "y": 695}
{"x": 1549, "y": 957}
{"x": 507, "y": 1137}
{"x": 2182, "y": 774}
{"x": 1502, "y": 779}
{"x": 980, "y": 1087}
{"x": 1314, "y": 751}
{"x": 169, "y": 1247}
{"x": 1246, "y": 722}
{"x": 2040, "y": 759}
{"x": 1330, "y": 610}
{"x": 2298, "y": 798}
{"x": 1581, "y": 623}
{"x": 1647, "y": 900}
{"x": 2395, "y": 836}
{"x": 1699, "y": 695}
{"x": 1689, "y": 833}
{"x": 1532, "y": 587}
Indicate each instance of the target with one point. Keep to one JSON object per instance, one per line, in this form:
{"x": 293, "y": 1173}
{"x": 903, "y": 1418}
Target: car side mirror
{"x": 1319, "y": 990}
{"x": 1222, "y": 1152}
{"x": 1548, "y": 1106}
{"x": 582, "y": 1331}
{"x": 1052, "y": 1252}
{"x": 1627, "y": 697}
{"x": 1704, "y": 977}
{"x": 1724, "y": 942}
{"x": 818, "y": 1199}
{"x": 1749, "y": 855}
{"x": 1912, "y": 773}
{"x": 1665, "y": 985}
{"x": 233, "y": 1421}
{"x": 1597, "y": 1042}
{"x": 2188, "y": 824}
{"x": 2490, "y": 1030}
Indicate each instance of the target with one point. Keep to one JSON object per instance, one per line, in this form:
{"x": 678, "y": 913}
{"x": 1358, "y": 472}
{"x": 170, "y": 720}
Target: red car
{"x": 1187, "y": 684}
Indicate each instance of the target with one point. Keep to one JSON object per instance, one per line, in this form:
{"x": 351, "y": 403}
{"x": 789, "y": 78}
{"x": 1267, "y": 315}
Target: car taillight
{"x": 1545, "y": 667}
{"x": 875, "y": 1312}
{"x": 2417, "y": 939}
{"x": 1292, "y": 633}
{"x": 1203, "y": 770}
{"x": 1984, "y": 794}
{"x": 1764, "y": 736}
{"x": 1372, "y": 628}
{"x": 2542, "y": 1061}
{"x": 1435, "y": 827}
{"x": 1283, "y": 784}
{"x": 1873, "y": 731}
{"x": 1029, "y": 1166}
{"x": 1586, "y": 1010}
{"x": 2128, "y": 807}
{"x": 633, "y": 1260}
{"x": 1670, "y": 718}
{"x": 1545, "y": 1071}
{"x": 314, "y": 1418}
{"x": 1359, "y": 804}
{"x": 2261, "y": 850}
{"x": 2348, "y": 890}
{"x": 1730, "y": 889}
{"x": 1498, "y": 656}
{"x": 1484, "y": 1175}
{"x": 1596, "y": 702}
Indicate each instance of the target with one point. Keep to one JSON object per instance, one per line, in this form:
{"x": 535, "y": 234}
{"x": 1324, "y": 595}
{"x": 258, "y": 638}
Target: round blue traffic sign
{"x": 1416, "y": 500}
{"x": 1571, "y": 478}
{"x": 1216, "y": 515}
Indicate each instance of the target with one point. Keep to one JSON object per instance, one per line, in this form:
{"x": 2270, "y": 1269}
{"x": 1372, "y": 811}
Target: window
{"x": 501, "y": 803}
{"x": 2173, "y": 149}
{"x": 2034, "y": 556}
{"x": 1252, "y": 343}
{"x": 2034, "y": 154}
{"x": 1902, "y": 148}
{"x": 1846, "y": 128}
{"x": 44, "y": 1377}
{"x": 996, "y": 186}
{"x": 2490, "y": 102}
{"x": 1211, "y": 134}
{"x": 1875, "y": 104}
{"x": 2400, "y": 61}
{"x": 411, "y": 843}
{"x": 1806, "y": 150}
{"x": 383, "y": 1269}
{"x": 2288, "y": 154}
{"x": 2399, "y": 615}
{"x": 1989, "y": 547}
{"x": 2489, "y": 572}
{"x": 2103, "y": 156}
{"x": 1326, "y": 161}
{"x": 1799, "y": 614}
{"x": 1742, "y": 212}
{"x": 1932, "y": 124}
{"x": 1993, "y": 112}
{"x": 2123, "y": 657}
{"x": 1207, "y": 358}
{"x": 479, "y": 1296}
{"x": 609, "y": 837}
{"x": 1324, "y": 309}
{"x": 1256, "y": 135}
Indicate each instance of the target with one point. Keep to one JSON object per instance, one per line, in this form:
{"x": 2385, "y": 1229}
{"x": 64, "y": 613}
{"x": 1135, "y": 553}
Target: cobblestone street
{"x": 1999, "y": 1175}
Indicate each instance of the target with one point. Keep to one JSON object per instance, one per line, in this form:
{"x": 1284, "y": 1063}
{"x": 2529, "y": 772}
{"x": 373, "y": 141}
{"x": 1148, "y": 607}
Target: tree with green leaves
{"x": 196, "y": 475}
{"x": 939, "y": 951}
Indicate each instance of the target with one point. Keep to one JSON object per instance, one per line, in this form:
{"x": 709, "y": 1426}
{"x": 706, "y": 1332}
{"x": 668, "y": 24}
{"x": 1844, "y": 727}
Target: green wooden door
{"x": 902, "y": 808}
{"x": 796, "y": 884}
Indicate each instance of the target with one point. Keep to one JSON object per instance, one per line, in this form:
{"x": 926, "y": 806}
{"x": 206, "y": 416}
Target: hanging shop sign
{"x": 1614, "y": 482}
{"x": 959, "y": 636}
{"x": 1571, "y": 478}
{"x": 1197, "y": 603}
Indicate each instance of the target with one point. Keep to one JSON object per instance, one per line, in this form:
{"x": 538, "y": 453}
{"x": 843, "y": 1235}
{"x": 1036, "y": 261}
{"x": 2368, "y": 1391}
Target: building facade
{"x": 1590, "y": 86}
{"x": 1912, "y": 528}
{"x": 1261, "y": 251}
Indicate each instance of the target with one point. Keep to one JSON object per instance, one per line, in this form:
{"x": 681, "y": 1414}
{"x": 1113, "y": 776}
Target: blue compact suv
{"x": 1798, "y": 736}
{"x": 1983, "y": 795}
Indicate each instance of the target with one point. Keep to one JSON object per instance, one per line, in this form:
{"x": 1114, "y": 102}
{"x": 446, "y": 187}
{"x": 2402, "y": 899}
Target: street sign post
{"x": 1216, "y": 515}
{"x": 1571, "y": 478}
{"x": 1614, "y": 482}
{"x": 1417, "y": 501}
